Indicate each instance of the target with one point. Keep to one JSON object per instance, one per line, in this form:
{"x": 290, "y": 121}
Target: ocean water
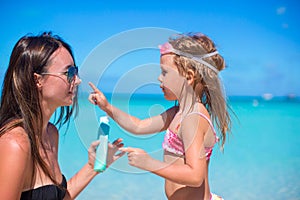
{"x": 261, "y": 159}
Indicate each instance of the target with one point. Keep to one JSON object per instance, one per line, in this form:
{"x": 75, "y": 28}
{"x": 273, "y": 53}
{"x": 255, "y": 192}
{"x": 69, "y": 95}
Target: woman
{"x": 41, "y": 77}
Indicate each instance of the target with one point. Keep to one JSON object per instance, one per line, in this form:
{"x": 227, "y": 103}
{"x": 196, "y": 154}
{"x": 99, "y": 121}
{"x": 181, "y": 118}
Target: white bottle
{"x": 101, "y": 152}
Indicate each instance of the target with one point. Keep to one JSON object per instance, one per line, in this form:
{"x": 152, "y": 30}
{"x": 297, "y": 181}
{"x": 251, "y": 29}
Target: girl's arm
{"x": 16, "y": 163}
{"x": 130, "y": 123}
{"x": 192, "y": 173}
{"x": 80, "y": 180}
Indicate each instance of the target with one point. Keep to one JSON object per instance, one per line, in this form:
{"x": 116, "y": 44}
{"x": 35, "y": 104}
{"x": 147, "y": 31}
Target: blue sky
{"x": 258, "y": 39}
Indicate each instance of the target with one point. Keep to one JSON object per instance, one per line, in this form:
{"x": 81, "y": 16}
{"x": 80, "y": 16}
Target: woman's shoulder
{"x": 15, "y": 142}
{"x": 16, "y": 160}
{"x": 15, "y": 138}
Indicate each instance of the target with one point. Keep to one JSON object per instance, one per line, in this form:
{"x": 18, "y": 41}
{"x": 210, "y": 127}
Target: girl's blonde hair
{"x": 207, "y": 84}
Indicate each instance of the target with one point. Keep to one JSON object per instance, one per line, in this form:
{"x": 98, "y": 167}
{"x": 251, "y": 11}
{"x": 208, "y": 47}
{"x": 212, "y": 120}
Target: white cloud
{"x": 281, "y": 10}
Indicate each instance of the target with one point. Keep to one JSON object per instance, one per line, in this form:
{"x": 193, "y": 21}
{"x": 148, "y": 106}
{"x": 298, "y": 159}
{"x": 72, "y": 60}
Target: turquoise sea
{"x": 261, "y": 159}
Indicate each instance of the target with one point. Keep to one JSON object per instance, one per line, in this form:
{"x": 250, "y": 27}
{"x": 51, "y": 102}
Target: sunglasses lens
{"x": 72, "y": 72}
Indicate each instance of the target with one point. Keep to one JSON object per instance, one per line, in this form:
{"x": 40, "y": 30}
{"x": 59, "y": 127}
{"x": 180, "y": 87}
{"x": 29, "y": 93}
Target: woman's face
{"x": 171, "y": 82}
{"x": 55, "y": 88}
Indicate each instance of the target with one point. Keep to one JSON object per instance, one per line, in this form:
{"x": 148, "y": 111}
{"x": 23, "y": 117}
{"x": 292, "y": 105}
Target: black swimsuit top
{"x": 46, "y": 192}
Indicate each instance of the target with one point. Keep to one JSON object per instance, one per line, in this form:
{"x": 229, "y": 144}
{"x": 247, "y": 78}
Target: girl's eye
{"x": 163, "y": 72}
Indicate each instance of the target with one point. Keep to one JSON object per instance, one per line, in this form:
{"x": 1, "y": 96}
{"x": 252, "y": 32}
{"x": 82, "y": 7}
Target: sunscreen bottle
{"x": 101, "y": 152}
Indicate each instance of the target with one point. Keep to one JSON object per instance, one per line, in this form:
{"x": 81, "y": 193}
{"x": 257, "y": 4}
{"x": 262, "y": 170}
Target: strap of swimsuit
{"x": 208, "y": 120}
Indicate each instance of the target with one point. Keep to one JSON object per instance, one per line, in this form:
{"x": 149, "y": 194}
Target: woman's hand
{"x": 111, "y": 152}
{"x": 97, "y": 97}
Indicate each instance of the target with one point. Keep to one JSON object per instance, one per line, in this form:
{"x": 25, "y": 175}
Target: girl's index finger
{"x": 93, "y": 87}
{"x": 126, "y": 149}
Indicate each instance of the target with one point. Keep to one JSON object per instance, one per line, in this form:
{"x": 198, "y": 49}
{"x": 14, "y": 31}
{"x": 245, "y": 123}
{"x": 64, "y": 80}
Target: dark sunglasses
{"x": 70, "y": 73}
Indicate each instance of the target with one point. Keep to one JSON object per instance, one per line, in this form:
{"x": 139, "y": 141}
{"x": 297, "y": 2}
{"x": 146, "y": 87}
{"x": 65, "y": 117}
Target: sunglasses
{"x": 70, "y": 73}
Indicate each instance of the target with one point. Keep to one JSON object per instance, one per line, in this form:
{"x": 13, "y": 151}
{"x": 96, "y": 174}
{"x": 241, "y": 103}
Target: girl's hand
{"x": 97, "y": 97}
{"x": 111, "y": 152}
{"x": 138, "y": 158}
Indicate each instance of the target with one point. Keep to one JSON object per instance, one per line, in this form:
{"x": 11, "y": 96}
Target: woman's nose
{"x": 77, "y": 80}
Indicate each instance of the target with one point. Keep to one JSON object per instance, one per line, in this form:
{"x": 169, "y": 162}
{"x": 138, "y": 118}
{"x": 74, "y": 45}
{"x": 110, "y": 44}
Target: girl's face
{"x": 171, "y": 82}
{"x": 55, "y": 88}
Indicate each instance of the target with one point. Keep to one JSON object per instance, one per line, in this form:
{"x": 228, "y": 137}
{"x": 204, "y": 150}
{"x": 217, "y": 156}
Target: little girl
{"x": 189, "y": 74}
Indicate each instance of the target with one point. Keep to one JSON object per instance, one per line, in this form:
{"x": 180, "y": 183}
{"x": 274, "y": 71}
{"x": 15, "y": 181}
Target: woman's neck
{"x": 47, "y": 111}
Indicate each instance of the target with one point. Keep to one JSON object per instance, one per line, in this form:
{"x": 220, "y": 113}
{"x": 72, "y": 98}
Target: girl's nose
{"x": 159, "y": 78}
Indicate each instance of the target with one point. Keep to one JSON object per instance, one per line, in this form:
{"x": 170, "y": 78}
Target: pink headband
{"x": 168, "y": 48}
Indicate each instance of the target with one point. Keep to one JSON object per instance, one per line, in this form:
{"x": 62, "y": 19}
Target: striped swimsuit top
{"x": 173, "y": 144}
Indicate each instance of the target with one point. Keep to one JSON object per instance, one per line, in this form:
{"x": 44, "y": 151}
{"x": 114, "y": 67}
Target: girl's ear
{"x": 190, "y": 76}
{"x": 38, "y": 80}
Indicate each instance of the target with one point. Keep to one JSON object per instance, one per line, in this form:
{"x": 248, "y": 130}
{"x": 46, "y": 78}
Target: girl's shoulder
{"x": 199, "y": 111}
{"x": 198, "y": 115}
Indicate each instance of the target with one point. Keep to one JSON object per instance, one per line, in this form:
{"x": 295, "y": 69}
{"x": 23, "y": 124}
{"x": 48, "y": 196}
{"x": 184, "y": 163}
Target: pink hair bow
{"x": 166, "y": 48}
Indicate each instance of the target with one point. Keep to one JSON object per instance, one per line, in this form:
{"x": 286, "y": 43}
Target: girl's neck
{"x": 187, "y": 100}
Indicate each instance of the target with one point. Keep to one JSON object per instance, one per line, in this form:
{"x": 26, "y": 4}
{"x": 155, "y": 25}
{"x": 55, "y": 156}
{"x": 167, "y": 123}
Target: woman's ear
{"x": 38, "y": 80}
{"x": 190, "y": 76}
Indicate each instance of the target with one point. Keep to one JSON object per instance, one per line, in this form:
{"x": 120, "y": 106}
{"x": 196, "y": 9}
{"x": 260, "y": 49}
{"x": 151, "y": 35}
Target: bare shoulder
{"x": 16, "y": 162}
{"x": 199, "y": 112}
{"x": 197, "y": 119}
{"x": 15, "y": 141}
{"x": 203, "y": 110}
